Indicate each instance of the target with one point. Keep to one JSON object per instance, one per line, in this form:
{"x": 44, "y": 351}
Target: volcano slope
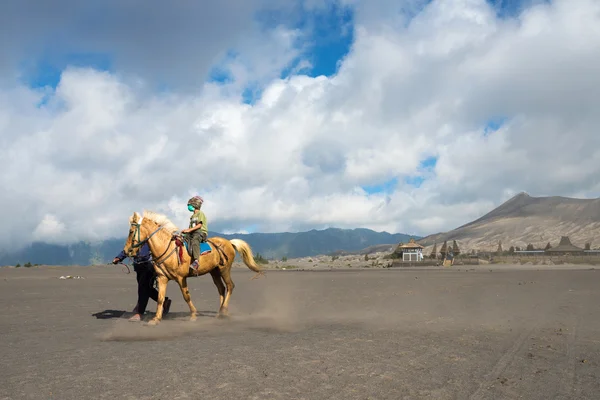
{"x": 524, "y": 220}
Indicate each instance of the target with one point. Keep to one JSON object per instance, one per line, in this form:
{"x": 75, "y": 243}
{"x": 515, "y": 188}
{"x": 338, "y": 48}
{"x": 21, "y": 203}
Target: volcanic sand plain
{"x": 488, "y": 332}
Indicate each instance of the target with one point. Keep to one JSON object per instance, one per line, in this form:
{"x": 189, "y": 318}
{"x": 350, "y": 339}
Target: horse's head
{"x": 139, "y": 232}
{"x": 142, "y": 228}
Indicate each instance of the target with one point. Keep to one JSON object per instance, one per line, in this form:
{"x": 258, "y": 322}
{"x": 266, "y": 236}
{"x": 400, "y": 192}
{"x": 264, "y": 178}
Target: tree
{"x": 499, "y": 250}
{"x": 588, "y": 246}
{"x": 517, "y": 248}
{"x": 511, "y": 249}
{"x": 530, "y": 247}
{"x": 259, "y": 259}
{"x": 548, "y": 247}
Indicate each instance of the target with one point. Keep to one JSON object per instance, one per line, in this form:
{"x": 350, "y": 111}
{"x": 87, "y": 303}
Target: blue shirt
{"x": 142, "y": 256}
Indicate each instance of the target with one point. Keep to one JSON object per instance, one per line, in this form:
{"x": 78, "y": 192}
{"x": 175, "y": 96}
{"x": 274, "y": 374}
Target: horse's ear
{"x": 135, "y": 218}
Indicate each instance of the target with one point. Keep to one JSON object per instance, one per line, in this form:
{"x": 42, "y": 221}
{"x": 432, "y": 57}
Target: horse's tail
{"x": 244, "y": 249}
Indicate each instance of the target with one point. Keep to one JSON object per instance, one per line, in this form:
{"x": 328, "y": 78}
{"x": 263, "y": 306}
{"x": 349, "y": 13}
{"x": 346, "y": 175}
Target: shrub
{"x": 259, "y": 259}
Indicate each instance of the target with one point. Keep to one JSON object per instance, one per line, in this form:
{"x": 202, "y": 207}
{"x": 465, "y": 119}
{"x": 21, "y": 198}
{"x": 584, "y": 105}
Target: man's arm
{"x": 120, "y": 257}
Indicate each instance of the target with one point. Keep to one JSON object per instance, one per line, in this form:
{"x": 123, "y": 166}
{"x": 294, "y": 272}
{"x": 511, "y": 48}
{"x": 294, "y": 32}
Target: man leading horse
{"x": 171, "y": 262}
{"x": 142, "y": 265}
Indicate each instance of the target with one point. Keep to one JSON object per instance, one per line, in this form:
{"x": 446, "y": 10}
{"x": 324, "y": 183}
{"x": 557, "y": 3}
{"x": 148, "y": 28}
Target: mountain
{"x": 317, "y": 242}
{"x": 269, "y": 245}
{"x": 525, "y": 219}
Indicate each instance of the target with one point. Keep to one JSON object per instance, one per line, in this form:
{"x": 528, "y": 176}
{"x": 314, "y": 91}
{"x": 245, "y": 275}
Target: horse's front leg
{"x": 162, "y": 290}
{"x": 186, "y": 296}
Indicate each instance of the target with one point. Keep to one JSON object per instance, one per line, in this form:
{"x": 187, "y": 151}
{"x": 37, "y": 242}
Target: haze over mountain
{"x": 525, "y": 219}
{"x": 269, "y": 245}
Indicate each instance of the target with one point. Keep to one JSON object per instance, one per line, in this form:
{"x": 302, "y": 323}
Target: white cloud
{"x": 104, "y": 146}
{"x": 49, "y": 230}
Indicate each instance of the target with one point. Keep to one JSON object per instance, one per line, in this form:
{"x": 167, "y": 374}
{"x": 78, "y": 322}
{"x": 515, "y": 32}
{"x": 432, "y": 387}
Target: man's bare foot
{"x": 135, "y": 318}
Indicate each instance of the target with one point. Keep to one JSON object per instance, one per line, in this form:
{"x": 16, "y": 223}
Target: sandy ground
{"x": 504, "y": 333}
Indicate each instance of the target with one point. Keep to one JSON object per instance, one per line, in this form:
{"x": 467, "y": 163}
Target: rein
{"x": 126, "y": 266}
{"x": 140, "y": 243}
{"x": 159, "y": 263}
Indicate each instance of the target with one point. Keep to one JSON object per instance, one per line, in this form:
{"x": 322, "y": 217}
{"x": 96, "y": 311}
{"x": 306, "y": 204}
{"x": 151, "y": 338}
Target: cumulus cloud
{"x": 422, "y": 83}
{"x": 49, "y": 229}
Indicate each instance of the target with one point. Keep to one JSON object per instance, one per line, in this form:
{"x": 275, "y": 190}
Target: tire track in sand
{"x": 504, "y": 361}
{"x": 508, "y": 357}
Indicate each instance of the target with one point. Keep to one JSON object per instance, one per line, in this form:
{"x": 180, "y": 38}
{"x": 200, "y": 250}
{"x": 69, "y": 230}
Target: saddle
{"x": 205, "y": 248}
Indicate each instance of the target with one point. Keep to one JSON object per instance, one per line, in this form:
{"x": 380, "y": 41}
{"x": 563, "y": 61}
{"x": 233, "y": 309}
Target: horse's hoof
{"x": 222, "y": 316}
{"x": 153, "y": 322}
{"x": 193, "y": 318}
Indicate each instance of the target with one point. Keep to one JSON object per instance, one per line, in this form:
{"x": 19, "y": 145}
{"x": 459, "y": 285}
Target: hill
{"x": 269, "y": 245}
{"x": 525, "y": 219}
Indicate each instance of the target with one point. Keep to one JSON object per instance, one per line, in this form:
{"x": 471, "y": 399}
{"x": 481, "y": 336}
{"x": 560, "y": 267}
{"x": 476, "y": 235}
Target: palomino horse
{"x": 173, "y": 263}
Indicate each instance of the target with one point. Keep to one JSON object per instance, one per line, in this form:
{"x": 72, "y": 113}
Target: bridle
{"x": 140, "y": 243}
{"x": 137, "y": 233}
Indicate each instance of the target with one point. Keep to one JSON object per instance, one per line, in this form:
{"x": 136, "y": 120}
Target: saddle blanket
{"x": 204, "y": 248}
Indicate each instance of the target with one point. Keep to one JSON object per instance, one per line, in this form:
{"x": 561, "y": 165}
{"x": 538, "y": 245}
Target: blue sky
{"x": 426, "y": 166}
{"x": 45, "y": 71}
{"x": 511, "y": 8}
{"x": 328, "y": 37}
{"x": 493, "y": 124}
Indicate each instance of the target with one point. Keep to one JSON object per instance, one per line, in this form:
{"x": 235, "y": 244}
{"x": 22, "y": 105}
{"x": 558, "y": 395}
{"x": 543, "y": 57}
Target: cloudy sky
{"x": 406, "y": 116}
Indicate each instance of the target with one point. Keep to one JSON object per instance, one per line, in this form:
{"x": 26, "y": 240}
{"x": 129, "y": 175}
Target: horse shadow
{"x": 116, "y": 314}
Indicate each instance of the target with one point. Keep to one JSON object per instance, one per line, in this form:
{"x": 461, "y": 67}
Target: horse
{"x": 172, "y": 263}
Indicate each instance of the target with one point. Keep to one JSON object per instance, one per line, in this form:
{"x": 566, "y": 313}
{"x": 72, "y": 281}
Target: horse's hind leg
{"x": 226, "y": 274}
{"x": 216, "y": 276}
{"x": 186, "y": 296}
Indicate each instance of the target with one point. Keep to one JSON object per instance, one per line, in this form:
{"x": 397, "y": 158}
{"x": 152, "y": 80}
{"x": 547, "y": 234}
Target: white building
{"x": 411, "y": 251}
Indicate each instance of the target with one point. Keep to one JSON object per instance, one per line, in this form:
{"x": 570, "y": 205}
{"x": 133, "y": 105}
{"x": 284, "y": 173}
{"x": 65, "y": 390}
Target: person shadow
{"x": 116, "y": 314}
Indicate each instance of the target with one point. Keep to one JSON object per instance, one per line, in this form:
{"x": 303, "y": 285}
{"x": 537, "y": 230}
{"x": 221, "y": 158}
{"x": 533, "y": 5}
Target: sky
{"x": 288, "y": 115}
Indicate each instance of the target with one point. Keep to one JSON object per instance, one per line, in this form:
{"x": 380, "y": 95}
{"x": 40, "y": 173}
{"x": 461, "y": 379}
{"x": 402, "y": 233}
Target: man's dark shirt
{"x": 143, "y": 256}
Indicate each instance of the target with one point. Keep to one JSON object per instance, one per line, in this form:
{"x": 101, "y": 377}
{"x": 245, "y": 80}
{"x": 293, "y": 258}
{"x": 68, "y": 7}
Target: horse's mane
{"x": 161, "y": 220}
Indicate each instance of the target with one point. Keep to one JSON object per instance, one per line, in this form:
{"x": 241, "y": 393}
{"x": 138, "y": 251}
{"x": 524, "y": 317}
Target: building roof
{"x": 565, "y": 245}
{"x": 411, "y": 245}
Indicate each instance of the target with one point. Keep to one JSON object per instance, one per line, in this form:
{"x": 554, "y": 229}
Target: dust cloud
{"x": 282, "y": 308}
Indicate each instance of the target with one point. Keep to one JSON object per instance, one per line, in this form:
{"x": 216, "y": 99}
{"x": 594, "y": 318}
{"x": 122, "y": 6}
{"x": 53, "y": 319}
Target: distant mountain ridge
{"x": 269, "y": 245}
{"x": 524, "y": 220}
